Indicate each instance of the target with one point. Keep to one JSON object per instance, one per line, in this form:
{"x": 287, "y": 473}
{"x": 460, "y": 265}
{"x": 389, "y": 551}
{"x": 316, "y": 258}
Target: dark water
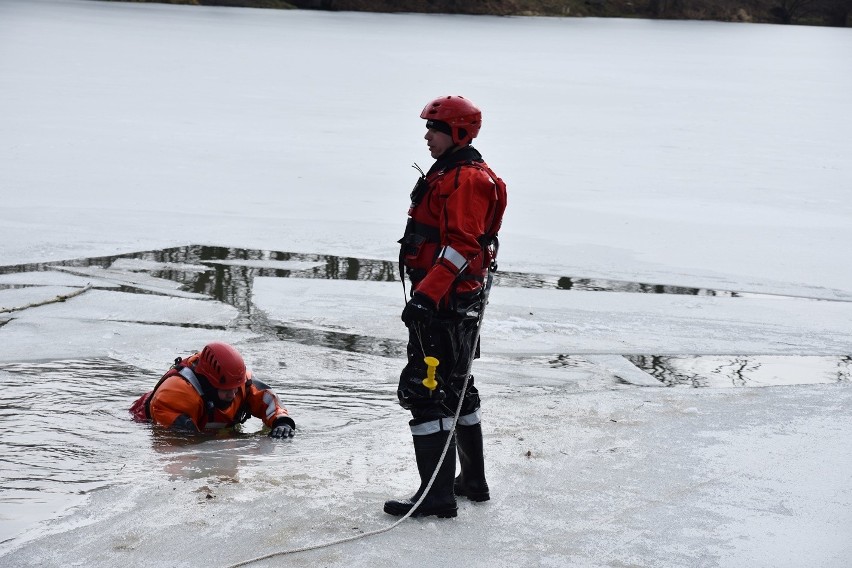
{"x": 63, "y": 434}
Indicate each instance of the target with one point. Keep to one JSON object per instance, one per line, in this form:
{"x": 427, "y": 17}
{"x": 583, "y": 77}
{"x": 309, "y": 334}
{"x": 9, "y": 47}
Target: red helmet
{"x": 222, "y": 365}
{"x": 463, "y": 116}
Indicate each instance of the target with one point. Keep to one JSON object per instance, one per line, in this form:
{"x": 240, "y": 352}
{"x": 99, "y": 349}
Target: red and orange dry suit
{"x": 182, "y": 401}
{"x": 461, "y": 206}
{"x": 448, "y": 247}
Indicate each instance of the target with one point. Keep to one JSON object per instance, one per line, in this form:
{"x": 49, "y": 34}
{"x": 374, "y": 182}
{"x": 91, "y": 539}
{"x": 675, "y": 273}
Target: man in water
{"x": 209, "y": 391}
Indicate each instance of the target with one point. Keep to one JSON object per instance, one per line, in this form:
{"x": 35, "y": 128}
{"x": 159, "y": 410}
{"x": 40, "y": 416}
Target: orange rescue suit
{"x": 177, "y": 398}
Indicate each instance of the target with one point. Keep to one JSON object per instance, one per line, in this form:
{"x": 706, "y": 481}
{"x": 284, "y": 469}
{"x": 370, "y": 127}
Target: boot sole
{"x": 440, "y": 513}
{"x": 445, "y": 514}
{"x": 478, "y": 498}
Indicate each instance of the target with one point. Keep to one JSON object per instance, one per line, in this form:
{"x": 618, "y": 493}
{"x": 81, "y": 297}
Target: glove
{"x": 420, "y": 309}
{"x": 283, "y": 428}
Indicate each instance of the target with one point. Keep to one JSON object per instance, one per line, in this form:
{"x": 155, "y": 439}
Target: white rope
{"x": 378, "y": 531}
{"x": 60, "y": 298}
{"x": 425, "y": 491}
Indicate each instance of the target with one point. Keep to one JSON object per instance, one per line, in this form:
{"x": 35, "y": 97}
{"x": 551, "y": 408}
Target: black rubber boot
{"x": 471, "y": 482}
{"x": 440, "y": 500}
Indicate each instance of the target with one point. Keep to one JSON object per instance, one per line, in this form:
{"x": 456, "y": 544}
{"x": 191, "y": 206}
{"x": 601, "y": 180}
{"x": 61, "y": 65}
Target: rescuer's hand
{"x": 419, "y": 309}
{"x": 283, "y": 428}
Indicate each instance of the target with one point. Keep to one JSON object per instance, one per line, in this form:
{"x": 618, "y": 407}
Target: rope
{"x": 378, "y": 531}
{"x": 431, "y": 479}
{"x": 60, "y": 298}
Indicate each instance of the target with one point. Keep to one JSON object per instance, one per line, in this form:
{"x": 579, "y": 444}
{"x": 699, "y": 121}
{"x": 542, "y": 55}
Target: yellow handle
{"x": 429, "y": 382}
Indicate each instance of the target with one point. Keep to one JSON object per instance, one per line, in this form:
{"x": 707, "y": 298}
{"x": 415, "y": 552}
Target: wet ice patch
{"x": 145, "y": 308}
{"x": 49, "y": 278}
{"x": 131, "y": 279}
{"x": 362, "y": 308}
{"x": 141, "y": 264}
{"x": 111, "y": 323}
{"x": 38, "y": 339}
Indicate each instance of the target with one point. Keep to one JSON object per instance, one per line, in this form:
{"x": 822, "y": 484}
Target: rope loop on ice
{"x": 378, "y": 531}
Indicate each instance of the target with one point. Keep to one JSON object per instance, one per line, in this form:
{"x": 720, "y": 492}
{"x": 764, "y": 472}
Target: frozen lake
{"x": 666, "y": 356}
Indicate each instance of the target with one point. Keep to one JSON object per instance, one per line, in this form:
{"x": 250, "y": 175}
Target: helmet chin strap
{"x": 211, "y": 394}
{"x": 448, "y": 151}
{"x": 453, "y": 148}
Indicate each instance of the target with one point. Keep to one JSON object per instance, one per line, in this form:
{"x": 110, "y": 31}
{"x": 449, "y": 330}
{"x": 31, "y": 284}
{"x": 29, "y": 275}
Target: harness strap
{"x": 187, "y": 374}
{"x": 190, "y": 377}
{"x": 170, "y": 373}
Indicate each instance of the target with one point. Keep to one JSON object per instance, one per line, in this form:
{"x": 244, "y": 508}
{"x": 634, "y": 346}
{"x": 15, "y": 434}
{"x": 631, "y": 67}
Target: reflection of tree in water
{"x": 217, "y": 272}
{"x": 331, "y": 267}
{"x": 228, "y": 281}
{"x": 669, "y": 369}
{"x": 565, "y": 360}
{"x": 560, "y": 360}
{"x": 350, "y": 342}
{"x": 844, "y": 369}
{"x": 664, "y": 369}
{"x": 530, "y": 280}
{"x": 738, "y": 369}
{"x": 232, "y": 283}
{"x": 348, "y": 268}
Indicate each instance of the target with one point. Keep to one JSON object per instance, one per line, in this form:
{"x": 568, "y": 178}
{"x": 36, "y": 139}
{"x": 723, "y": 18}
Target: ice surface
{"x": 690, "y": 154}
{"x": 525, "y": 321}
